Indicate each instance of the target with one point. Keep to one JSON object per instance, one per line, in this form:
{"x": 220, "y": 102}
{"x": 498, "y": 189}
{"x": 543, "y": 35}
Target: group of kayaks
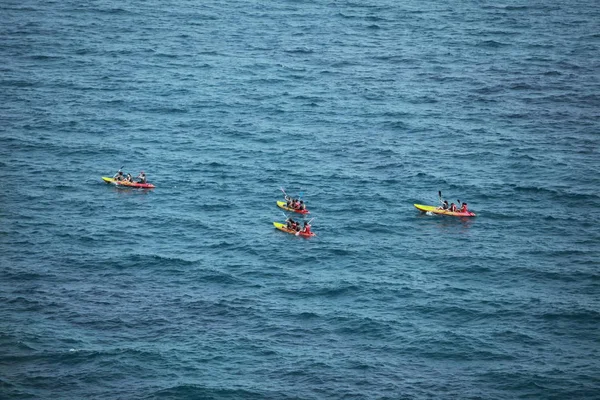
{"x": 444, "y": 209}
{"x": 297, "y": 206}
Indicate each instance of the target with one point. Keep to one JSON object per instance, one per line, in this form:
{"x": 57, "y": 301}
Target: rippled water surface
{"x": 364, "y": 108}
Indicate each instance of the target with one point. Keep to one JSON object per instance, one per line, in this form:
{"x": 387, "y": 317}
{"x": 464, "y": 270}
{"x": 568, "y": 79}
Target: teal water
{"x": 187, "y": 291}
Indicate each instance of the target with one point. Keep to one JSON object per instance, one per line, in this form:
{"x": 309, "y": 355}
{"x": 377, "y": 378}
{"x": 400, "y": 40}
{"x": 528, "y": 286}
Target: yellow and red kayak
{"x": 128, "y": 184}
{"x": 438, "y": 210}
{"x": 283, "y": 227}
{"x": 283, "y": 204}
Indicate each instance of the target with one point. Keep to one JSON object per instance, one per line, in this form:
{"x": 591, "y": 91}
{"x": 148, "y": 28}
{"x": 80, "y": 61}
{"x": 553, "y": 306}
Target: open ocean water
{"x": 365, "y": 107}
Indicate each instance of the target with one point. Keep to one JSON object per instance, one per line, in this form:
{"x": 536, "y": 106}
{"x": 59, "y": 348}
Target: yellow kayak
{"x": 283, "y": 204}
{"x": 283, "y": 227}
{"x": 128, "y": 184}
{"x": 438, "y": 210}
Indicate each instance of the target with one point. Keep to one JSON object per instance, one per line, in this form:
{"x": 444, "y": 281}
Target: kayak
{"x": 283, "y": 204}
{"x": 437, "y": 210}
{"x": 283, "y": 227}
{"x": 128, "y": 184}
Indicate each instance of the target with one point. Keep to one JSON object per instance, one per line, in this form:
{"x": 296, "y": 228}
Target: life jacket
{"x": 297, "y": 205}
{"x": 464, "y": 208}
{"x": 306, "y": 228}
{"x": 453, "y": 207}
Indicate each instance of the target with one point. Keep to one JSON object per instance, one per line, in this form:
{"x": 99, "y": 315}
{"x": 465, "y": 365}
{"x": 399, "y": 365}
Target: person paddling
{"x": 118, "y": 176}
{"x": 464, "y": 208}
{"x": 141, "y": 177}
{"x": 452, "y": 207}
{"x": 306, "y": 229}
{"x": 302, "y": 205}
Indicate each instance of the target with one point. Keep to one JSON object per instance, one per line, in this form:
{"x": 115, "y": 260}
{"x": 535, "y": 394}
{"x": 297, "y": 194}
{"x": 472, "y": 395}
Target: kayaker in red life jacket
{"x": 452, "y": 207}
{"x": 306, "y": 228}
{"x": 464, "y": 208}
{"x": 141, "y": 177}
{"x": 297, "y": 204}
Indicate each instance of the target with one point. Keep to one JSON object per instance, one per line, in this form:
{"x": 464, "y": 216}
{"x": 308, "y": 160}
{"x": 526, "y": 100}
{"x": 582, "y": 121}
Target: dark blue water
{"x": 188, "y": 291}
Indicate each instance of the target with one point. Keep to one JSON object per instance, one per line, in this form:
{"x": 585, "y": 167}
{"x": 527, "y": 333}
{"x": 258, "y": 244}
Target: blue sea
{"x": 362, "y": 108}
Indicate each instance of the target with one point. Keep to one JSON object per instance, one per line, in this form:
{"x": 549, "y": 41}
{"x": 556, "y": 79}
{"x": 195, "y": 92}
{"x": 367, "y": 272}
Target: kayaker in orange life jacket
{"x": 464, "y": 208}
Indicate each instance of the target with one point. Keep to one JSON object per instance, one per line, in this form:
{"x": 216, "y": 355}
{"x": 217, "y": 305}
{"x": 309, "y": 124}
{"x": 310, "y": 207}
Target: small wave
{"x": 299, "y": 50}
{"x": 492, "y": 44}
{"x": 221, "y": 278}
{"x": 113, "y": 11}
{"x": 151, "y": 260}
{"x": 515, "y": 8}
{"x": 191, "y": 391}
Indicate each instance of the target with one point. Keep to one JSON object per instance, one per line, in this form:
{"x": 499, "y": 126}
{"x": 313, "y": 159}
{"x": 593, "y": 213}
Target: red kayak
{"x": 128, "y": 184}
